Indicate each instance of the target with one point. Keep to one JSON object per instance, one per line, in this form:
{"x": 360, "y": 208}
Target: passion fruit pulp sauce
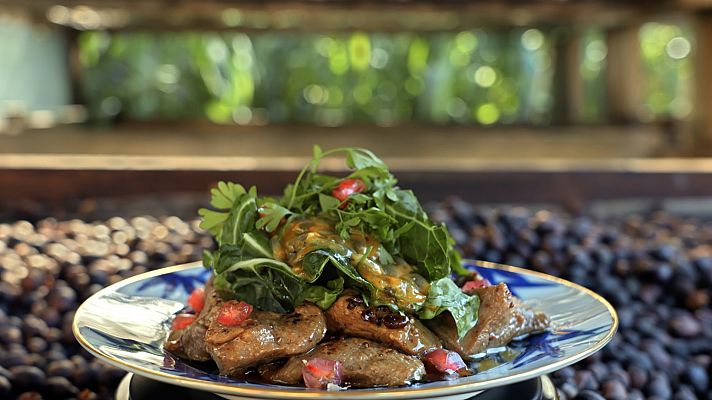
{"x": 488, "y": 362}
{"x": 397, "y": 284}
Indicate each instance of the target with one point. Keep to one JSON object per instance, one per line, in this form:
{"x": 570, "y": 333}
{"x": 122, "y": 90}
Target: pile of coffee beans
{"x": 656, "y": 269}
{"x": 47, "y": 269}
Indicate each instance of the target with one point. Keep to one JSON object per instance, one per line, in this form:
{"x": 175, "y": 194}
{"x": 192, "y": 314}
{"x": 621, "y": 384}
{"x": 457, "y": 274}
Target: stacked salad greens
{"x": 377, "y": 240}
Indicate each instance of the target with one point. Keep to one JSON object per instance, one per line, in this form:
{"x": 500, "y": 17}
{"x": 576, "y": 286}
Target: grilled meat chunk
{"x": 501, "y": 318}
{"x": 265, "y": 337}
{"x": 366, "y": 364}
{"x": 189, "y": 342}
{"x": 346, "y": 316}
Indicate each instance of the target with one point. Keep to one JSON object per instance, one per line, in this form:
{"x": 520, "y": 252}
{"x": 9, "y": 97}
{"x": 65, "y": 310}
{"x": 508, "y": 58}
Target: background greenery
{"x": 481, "y": 76}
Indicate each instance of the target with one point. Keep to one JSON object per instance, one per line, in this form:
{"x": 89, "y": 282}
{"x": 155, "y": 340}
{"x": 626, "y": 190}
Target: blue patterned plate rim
{"x": 451, "y": 388}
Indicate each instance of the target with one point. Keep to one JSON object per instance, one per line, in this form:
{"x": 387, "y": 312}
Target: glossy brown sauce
{"x": 393, "y": 284}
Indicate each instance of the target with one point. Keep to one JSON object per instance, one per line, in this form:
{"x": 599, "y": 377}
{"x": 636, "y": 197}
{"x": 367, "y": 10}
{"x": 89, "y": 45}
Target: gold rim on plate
{"x": 269, "y": 392}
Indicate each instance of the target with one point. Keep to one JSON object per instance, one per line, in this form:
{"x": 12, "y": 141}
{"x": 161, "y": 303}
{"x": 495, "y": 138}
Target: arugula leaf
{"x": 361, "y": 159}
{"x": 444, "y": 295}
{"x": 420, "y": 241}
{"x": 265, "y": 283}
{"x": 328, "y": 203}
{"x": 313, "y": 265}
{"x": 322, "y": 296}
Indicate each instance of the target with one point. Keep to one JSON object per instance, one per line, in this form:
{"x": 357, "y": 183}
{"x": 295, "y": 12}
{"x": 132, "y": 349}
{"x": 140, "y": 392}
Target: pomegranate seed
{"x": 476, "y": 284}
{"x": 196, "y": 300}
{"x": 320, "y": 372}
{"x": 346, "y": 188}
{"x": 234, "y": 313}
{"x": 182, "y": 320}
{"x": 445, "y": 361}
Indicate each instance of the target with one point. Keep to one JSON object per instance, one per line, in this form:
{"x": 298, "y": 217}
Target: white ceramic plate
{"x": 127, "y": 323}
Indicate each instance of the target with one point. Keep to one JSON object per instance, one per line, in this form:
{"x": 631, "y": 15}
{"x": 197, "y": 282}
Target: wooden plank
{"x": 53, "y": 188}
{"x": 426, "y": 15}
{"x": 421, "y": 142}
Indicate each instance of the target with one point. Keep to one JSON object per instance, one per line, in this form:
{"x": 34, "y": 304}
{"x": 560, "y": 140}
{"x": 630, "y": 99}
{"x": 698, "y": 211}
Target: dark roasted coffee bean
{"x": 685, "y": 325}
{"x": 565, "y": 373}
{"x": 586, "y": 380}
{"x": 614, "y": 390}
{"x": 30, "y": 396}
{"x": 659, "y": 386}
{"x": 5, "y": 387}
{"x": 87, "y": 394}
{"x": 697, "y": 377}
{"x": 599, "y": 370}
{"x": 63, "y": 368}
{"x": 10, "y": 334}
{"x": 569, "y": 389}
{"x": 684, "y": 393}
{"x": 27, "y": 377}
{"x": 36, "y": 345}
{"x": 589, "y": 395}
{"x": 635, "y": 395}
{"x": 63, "y": 298}
{"x": 61, "y": 387}
{"x": 14, "y": 358}
{"x": 6, "y": 373}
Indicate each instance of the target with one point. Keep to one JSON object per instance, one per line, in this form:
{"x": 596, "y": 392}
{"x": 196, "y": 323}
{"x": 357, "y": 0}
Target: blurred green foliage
{"x": 470, "y": 77}
{"x": 665, "y": 50}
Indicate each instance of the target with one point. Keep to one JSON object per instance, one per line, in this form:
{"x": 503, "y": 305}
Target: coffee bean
{"x": 586, "y": 380}
{"x": 5, "y": 387}
{"x": 614, "y": 390}
{"x": 589, "y": 395}
{"x": 697, "y": 377}
{"x": 62, "y": 367}
{"x": 684, "y": 393}
{"x": 30, "y": 396}
{"x": 685, "y": 325}
{"x": 61, "y": 387}
{"x": 27, "y": 376}
{"x": 659, "y": 385}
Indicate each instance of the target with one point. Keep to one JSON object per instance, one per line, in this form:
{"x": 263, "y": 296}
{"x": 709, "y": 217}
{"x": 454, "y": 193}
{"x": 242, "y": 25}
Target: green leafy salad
{"x": 326, "y": 234}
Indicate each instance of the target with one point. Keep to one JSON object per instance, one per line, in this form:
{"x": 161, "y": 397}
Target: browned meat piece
{"x": 534, "y": 321}
{"x": 265, "y": 337}
{"x": 366, "y": 364}
{"x": 344, "y": 316}
{"x": 189, "y": 342}
{"x": 501, "y": 318}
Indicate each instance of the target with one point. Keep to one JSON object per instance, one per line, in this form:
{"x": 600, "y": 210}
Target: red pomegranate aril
{"x": 196, "y": 300}
{"x": 347, "y": 187}
{"x": 182, "y": 321}
{"x": 476, "y": 284}
{"x": 234, "y": 313}
{"x": 318, "y": 373}
{"x": 445, "y": 361}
